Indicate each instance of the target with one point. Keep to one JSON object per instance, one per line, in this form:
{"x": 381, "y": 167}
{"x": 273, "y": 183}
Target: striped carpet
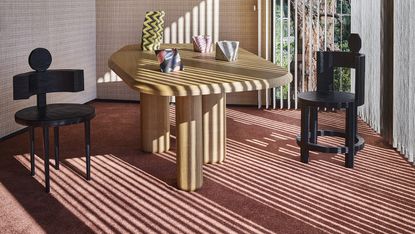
{"x": 261, "y": 188}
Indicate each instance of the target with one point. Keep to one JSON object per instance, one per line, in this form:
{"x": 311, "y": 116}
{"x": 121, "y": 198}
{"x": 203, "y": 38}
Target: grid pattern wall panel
{"x": 66, "y": 28}
{"x": 120, "y": 23}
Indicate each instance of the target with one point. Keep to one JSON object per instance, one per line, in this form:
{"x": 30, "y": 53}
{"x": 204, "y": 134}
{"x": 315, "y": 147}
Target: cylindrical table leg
{"x": 214, "y": 128}
{"x": 189, "y": 142}
{"x": 46, "y": 159}
{"x": 155, "y": 124}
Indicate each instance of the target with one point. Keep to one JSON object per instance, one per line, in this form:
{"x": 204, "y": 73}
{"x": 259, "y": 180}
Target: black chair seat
{"x": 332, "y": 100}
{"x": 55, "y": 115}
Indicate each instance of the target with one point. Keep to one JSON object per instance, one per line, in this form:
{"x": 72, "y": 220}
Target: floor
{"x": 261, "y": 188}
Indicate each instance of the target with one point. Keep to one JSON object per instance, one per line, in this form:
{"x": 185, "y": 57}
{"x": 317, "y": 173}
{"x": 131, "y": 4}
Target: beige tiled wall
{"x": 66, "y": 28}
{"x": 120, "y": 22}
{"x": 83, "y": 33}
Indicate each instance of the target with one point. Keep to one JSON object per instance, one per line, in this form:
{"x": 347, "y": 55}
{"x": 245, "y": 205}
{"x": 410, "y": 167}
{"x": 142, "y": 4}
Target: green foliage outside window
{"x": 342, "y": 28}
{"x": 342, "y": 76}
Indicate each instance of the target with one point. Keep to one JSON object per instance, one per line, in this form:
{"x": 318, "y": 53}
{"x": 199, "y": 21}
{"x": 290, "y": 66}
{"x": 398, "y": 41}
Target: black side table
{"x": 309, "y": 103}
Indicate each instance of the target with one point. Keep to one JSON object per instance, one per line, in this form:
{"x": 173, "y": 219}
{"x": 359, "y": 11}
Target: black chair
{"x": 326, "y": 97}
{"x": 43, "y": 81}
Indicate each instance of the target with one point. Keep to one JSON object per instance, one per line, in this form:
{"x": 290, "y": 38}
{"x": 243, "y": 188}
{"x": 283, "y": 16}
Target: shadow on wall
{"x": 109, "y": 77}
{"x": 223, "y": 20}
{"x": 181, "y": 25}
{"x": 202, "y": 19}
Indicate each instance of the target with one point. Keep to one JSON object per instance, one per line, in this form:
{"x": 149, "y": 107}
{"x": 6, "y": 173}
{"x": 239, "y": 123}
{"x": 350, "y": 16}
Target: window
{"x": 300, "y": 28}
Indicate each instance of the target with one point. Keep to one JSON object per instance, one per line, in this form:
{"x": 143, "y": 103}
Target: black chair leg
{"x": 355, "y": 120}
{"x": 87, "y": 149}
{"x": 32, "y": 150}
{"x": 46, "y": 152}
{"x": 313, "y": 124}
{"x": 350, "y": 135}
{"x": 305, "y": 123}
{"x": 56, "y": 141}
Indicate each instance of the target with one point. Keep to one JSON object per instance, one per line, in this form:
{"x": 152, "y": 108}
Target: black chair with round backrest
{"x": 327, "y": 97}
{"x": 39, "y": 83}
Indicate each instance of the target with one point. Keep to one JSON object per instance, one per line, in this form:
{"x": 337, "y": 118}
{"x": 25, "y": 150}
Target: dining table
{"x": 200, "y": 101}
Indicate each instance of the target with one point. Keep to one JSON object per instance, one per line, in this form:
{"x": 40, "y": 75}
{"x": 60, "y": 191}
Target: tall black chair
{"x": 43, "y": 81}
{"x": 326, "y": 97}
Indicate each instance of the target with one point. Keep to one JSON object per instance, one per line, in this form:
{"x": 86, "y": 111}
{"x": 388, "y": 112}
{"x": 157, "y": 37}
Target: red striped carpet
{"x": 261, "y": 188}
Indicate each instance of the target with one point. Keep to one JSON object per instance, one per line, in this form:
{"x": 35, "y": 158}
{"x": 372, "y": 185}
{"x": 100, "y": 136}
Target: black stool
{"x": 43, "y": 81}
{"x": 326, "y": 97}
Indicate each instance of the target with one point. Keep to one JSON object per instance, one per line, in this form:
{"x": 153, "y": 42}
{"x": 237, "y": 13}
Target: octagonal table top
{"x": 202, "y": 74}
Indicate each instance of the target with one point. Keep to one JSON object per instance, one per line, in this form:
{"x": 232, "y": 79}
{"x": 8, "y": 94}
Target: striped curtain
{"x": 366, "y": 20}
{"x": 404, "y": 78}
{"x": 387, "y": 29}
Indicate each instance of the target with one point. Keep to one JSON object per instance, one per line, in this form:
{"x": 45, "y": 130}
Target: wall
{"x": 66, "y": 28}
{"x": 120, "y": 22}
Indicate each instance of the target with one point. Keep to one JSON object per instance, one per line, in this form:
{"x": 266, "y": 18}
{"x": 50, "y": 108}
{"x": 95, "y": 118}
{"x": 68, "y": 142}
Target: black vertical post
{"x": 325, "y": 72}
{"x": 313, "y": 124}
{"x": 56, "y": 141}
{"x": 356, "y": 129}
{"x": 32, "y": 150}
{"x": 46, "y": 159}
{"x": 305, "y": 123}
{"x": 350, "y": 135}
{"x": 41, "y": 100}
{"x": 87, "y": 149}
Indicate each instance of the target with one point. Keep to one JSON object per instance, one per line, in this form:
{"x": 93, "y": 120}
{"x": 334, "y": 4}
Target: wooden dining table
{"x": 200, "y": 91}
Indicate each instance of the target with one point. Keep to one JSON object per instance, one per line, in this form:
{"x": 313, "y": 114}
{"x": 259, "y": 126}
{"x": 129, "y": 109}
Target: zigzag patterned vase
{"x": 152, "y": 30}
{"x": 202, "y": 43}
{"x": 227, "y": 50}
{"x": 169, "y": 60}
